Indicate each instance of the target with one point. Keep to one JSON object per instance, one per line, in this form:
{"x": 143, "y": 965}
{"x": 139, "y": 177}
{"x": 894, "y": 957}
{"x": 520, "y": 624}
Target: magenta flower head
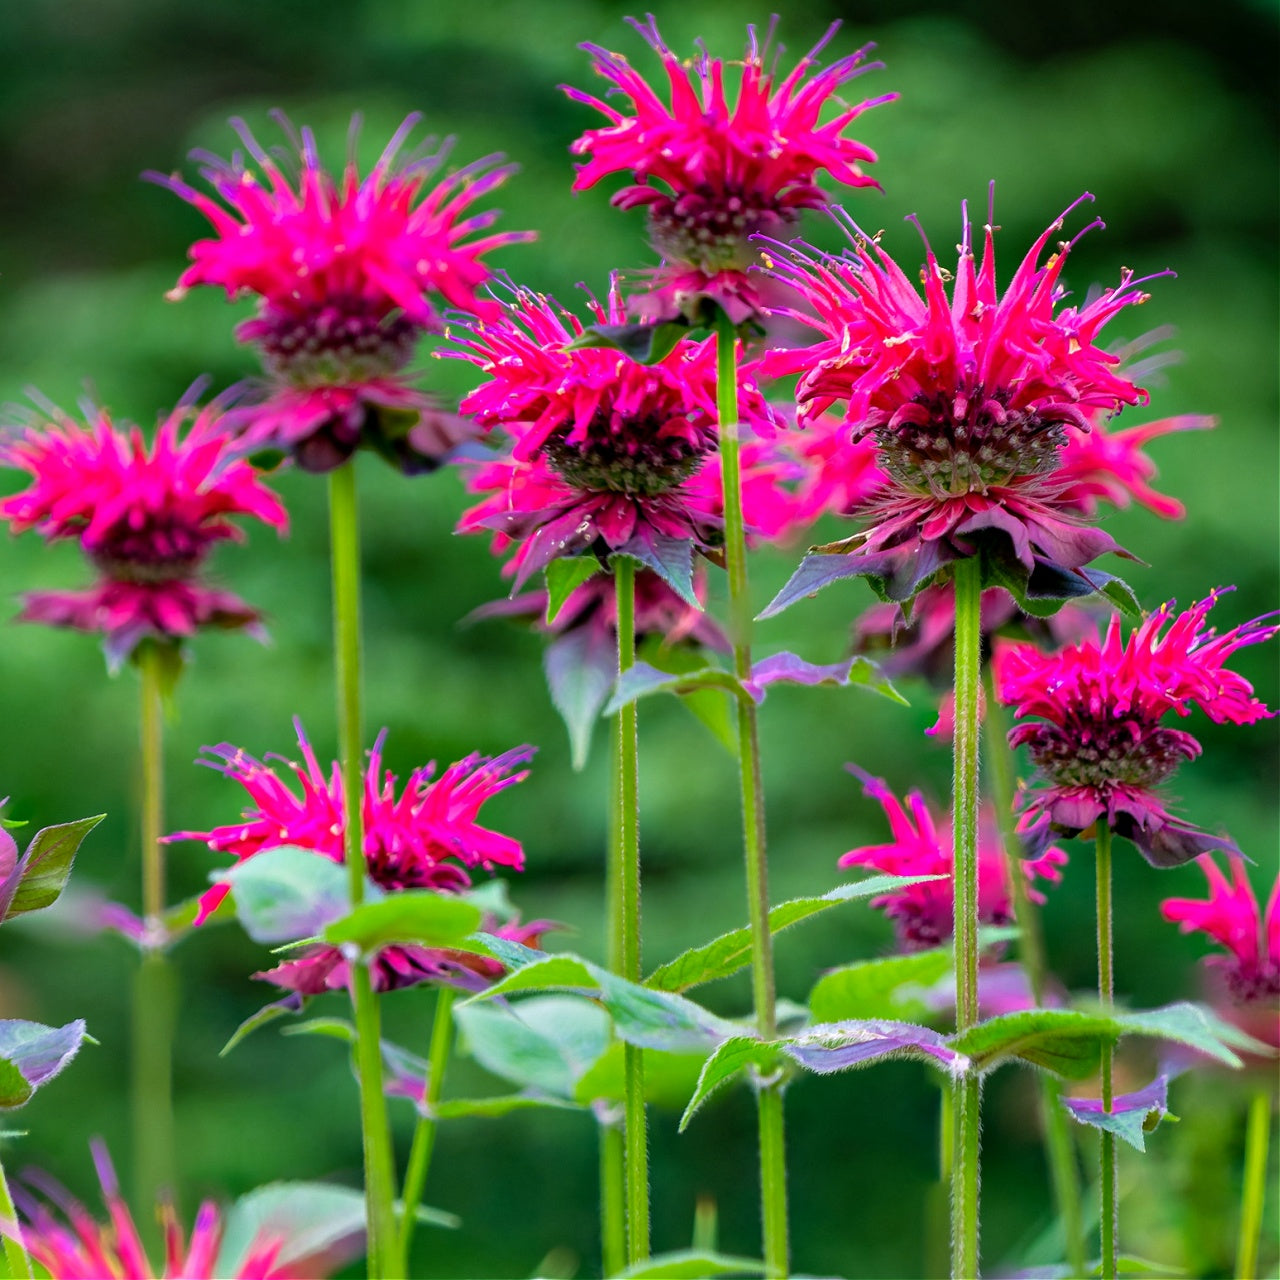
{"x": 1092, "y": 720}
{"x": 606, "y": 451}
{"x": 146, "y": 517}
{"x": 64, "y": 1238}
{"x": 921, "y": 846}
{"x": 428, "y": 837}
{"x": 349, "y": 272}
{"x": 969, "y": 394}
{"x": 712, "y": 173}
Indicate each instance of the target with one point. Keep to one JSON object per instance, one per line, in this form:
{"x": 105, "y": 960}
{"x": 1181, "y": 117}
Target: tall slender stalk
{"x": 627, "y": 853}
{"x": 379, "y": 1166}
{"x": 1059, "y": 1149}
{"x": 1257, "y": 1138}
{"x": 15, "y": 1252}
{"x": 966, "y": 1093}
{"x": 424, "y": 1136}
{"x": 613, "y": 1159}
{"x": 155, "y": 994}
{"x": 769, "y": 1100}
{"x": 1106, "y": 993}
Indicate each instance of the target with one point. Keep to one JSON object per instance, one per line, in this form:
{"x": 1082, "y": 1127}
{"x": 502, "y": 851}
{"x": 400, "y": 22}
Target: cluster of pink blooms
{"x": 712, "y": 174}
{"x": 1093, "y": 717}
{"x": 428, "y": 837}
{"x": 922, "y": 914}
{"x": 145, "y": 516}
{"x": 347, "y": 273}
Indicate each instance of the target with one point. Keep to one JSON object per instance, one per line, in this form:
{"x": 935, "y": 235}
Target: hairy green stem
{"x": 1257, "y": 1138}
{"x": 1109, "y": 1209}
{"x": 154, "y": 991}
{"x": 424, "y": 1136}
{"x": 379, "y": 1163}
{"x": 966, "y": 1093}
{"x": 1059, "y": 1149}
{"x": 773, "y": 1161}
{"x": 628, "y": 865}
{"x": 15, "y": 1252}
{"x": 613, "y": 1159}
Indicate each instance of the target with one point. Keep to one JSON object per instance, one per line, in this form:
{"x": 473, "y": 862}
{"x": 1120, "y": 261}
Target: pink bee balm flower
{"x": 969, "y": 395}
{"x": 607, "y": 453}
{"x": 921, "y": 846}
{"x": 146, "y": 517}
{"x": 349, "y": 273}
{"x": 1093, "y": 715}
{"x": 64, "y": 1238}
{"x": 426, "y": 838}
{"x": 711, "y": 173}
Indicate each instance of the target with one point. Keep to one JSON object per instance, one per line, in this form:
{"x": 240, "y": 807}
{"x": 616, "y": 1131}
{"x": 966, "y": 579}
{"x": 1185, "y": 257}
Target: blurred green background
{"x": 1168, "y": 118}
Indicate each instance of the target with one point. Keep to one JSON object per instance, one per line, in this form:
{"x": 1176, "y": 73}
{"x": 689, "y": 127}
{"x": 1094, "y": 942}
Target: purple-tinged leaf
{"x": 814, "y": 573}
{"x": 32, "y": 1054}
{"x": 39, "y": 876}
{"x": 641, "y": 680}
{"x": 792, "y": 669}
{"x": 1132, "y": 1115}
{"x": 287, "y": 893}
{"x": 837, "y": 1046}
{"x": 581, "y": 666}
{"x": 670, "y": 558}
{"x": 564, "y": 576}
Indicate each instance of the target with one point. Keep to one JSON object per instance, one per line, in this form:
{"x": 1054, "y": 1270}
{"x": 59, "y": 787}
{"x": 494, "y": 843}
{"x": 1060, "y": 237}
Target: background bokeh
{"x": 1166, "y": 115}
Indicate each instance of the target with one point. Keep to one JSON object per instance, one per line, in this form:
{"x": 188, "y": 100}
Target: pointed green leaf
{"x": 669, "y": 1078}
{"x": 413, "y": 916}
{"x": 709, "y": 706}
{"x": 730, "y": 952}
{"x": 286, "y": 1008}
{"x": 32, "y": 1054}
{"x": 1197, "y": 1027}
{"x": 736, "y": 1054}
{"x": 43, "y": 871}
{"x": 883, "y": 988}
{"x": 1064, "y": 1041}
{"x": 692, "y": 1264}
{"x": 565, "y": 575}
{"x": 643, "y": 343}
{"x": 641, "y": 680}
{"x": 287, "y": 893}
{"x": 334, "y": 1028}
{"x": 495, "y": 1108}
{"x": 580, "y": 667}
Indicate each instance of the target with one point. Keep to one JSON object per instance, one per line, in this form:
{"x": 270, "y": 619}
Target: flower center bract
{"x": 153, "y": 553}
{"x": 712, "y": 230}
{"x": 333, "y": 346}
{"x": 1126, "y": 751}
{"x": 637, "y": 462}
{"x": 948, "y": 445}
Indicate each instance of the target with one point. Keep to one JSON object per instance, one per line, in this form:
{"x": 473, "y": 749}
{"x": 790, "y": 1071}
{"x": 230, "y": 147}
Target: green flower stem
{"x": 937, "y": 1257}
{"x": 15, "y": 1253}
{"x": 773, "y": 1164}
{"x": 613, "y": 1160}
{"x": 1257, "y": 1137}
{"x": 424, "y": 1136}
{"x": 627, "y": 872}
{"x": 1106, "y": 993}
{"x": 966, "y": 1093}
{"x": 379, "y": 1166}
{"x": 1059, "y": 1149}
{"x": 154, "y": 992}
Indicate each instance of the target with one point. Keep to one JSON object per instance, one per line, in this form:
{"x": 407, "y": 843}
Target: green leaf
{"x": 730, "y": 952}
{"x": 1197, "y": 1027}
{"x": 287, "y": 893}
{"x": 640, "y": 680}
{"x": 44, "y": 869}
{"x": 691, "y": 1264}
{"x": 643, "y": 343}
{"x": 286, "y": 1008}
{"x": 495, "y": 1108}
{"x": 884, "y": 988}
{"x": 334, "y": 1028}
{"x": 669, "y": 1078}
{"x": 32, "y": 1054}
{"x": 581, "y": 666}
{"x": 565, "y": 575}
{"x": 709, "y": 706}
{"x": 736, "y": 1054}
{"x": 493, "y": 898}
{"x": 544, "y": 1044}
{"x": 1064, "y": 1041}
{"x": 415, "y": 916}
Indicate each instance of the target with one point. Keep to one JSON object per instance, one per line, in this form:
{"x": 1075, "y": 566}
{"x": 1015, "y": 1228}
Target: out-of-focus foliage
{"x": 1166, "y": 116}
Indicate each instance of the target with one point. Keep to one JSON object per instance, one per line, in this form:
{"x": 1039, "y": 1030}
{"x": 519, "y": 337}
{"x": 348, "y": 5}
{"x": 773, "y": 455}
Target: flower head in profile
{"x": 1091, "y": 716}
{"x": 427, "y": 837}
{"x": 922, "y": 914}
{"x": 70, "y": 1243}
{"x": 712, "y": 168}
{"x": 607, "y": 453}
{"x": 145, "y": 515}
{"x": 349, "y": 273}
{"x": 969, "y": 393}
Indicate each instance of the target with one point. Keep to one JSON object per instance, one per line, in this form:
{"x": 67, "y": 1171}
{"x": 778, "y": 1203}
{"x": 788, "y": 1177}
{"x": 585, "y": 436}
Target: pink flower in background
{"x": 1101, "y": 466}
{"x": 969, "y": 394}
{"x": 921, "y": 846}
{"x": 64, "y": 1238}
{"x": 1093, "y": 715}
{"x": 607, "y": 453}
{"x": 712, "y": 172}
{"x": 841, "y": 471}
{"x": 145, "y": 516}
{"x": 349, "y": 272}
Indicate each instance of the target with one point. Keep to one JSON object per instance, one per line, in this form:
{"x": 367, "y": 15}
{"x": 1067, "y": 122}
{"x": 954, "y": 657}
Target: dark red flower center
{"x": 639, "y": 459}
{"x": 712, "y": 230}
{"x": 1127, "y": 750}
{"x": 337, "y": 345}
{"x": 945, "y": 445}
{"x": 155, "y": 552}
